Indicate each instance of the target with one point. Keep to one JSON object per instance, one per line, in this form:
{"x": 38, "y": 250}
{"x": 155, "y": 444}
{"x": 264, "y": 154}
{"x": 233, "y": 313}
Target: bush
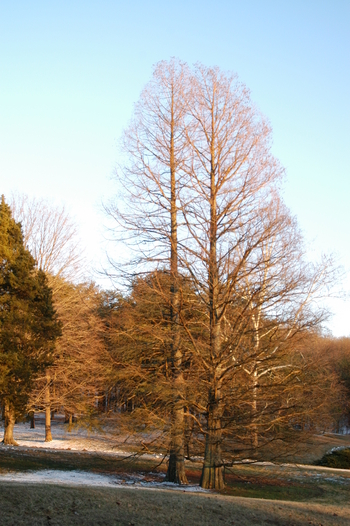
{"x": 339, "y": 458}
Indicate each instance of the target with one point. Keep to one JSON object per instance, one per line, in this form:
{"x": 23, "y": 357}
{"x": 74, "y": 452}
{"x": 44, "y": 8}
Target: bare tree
{"x": 51, "y": 236}
{"x": 281, "y": 295}
{"x": 232, "y": 174}
{"x": 155, "y": 145}
{"x": 223, "y": 229}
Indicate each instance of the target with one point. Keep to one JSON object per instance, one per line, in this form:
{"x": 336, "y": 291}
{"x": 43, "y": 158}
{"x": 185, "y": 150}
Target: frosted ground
{"x": 101, "y": 495}
{"x": 79, "y": 440}
{"x": 82, "y": 440}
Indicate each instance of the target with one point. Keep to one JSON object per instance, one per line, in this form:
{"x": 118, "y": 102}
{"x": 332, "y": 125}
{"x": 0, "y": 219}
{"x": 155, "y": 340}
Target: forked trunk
{"x": 48, "y": 435}
{"x": 10, "y": 420}
{"x": 213, "y": 471}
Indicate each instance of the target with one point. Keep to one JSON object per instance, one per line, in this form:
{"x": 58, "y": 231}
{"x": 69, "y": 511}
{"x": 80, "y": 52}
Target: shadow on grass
{"x": 20, "y": 459}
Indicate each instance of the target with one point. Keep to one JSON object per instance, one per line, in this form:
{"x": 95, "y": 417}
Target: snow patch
{"x": 82, "y": 478}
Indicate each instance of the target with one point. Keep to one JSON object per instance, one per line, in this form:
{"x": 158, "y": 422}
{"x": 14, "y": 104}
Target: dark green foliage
{"x": 28, "y": 323}
{"x": 343, "y": 370}
{"x": 340, "y": 458}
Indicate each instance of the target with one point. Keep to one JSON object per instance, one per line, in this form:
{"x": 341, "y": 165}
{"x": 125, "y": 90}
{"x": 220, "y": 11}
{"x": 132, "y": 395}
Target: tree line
{"x": 212, "y": 346}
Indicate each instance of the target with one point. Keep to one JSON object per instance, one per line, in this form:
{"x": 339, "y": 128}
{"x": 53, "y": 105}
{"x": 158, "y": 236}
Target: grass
{"x": 290, "y": 494}
{"x": 19, "y": 459}
{"x": 317, "y": 446}
{"x": 289, "y": 483}
{"x": 256, "y": 481}
{"x": 58, "y": 505}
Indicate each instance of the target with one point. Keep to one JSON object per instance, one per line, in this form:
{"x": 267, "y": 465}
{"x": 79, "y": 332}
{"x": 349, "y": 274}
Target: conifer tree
{"x": 28, "y": 322}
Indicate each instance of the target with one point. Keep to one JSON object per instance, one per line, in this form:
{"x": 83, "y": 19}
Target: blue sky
{"x": 70, "y": 72}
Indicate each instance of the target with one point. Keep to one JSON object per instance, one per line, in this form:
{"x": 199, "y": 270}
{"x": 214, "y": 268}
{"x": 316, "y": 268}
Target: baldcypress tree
{"x": 28, "y": 322}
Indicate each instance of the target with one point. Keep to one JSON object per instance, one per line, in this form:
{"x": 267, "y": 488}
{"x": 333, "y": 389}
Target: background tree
{"x": 139, "y": 337}
{"x": 332, "y": 355}
{"x": 81, "y": 364}
{"x": 51, "y": 236}
{"x": 282, "y": 296}
{"x": 28, "y": 323}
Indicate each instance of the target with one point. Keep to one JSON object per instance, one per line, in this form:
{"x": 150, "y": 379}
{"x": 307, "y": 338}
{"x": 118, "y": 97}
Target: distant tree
{"x": 334, "y": 355}
{"x": 342, "y": 366}
{"x": 51, "y": 235}
{"x": 139, "y": 338}
{"x": 28, "y": 322}
{"x": 81, "y": 363}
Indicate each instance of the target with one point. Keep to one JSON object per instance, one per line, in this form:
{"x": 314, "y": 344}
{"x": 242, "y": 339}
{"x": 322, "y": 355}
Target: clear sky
{"x": 71, "y": 70}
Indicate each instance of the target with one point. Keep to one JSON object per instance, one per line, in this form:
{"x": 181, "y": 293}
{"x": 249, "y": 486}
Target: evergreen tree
{"x": 28, "y": 322}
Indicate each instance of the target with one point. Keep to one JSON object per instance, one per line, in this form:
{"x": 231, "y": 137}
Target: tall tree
{"x": 155, "y": 144}
{"x": 219, "y": 227}
{"x": 28, "y": 322}
{"x": 232, "y": 174}
{"x": 256, "y": 303}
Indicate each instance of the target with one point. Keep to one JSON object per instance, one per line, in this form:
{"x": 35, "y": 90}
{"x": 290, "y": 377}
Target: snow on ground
{"x": 83, "y": 440}
{"x": 50, "y": 476}
{"x": 79, "y": 439}
{"x": 81, "y": 478}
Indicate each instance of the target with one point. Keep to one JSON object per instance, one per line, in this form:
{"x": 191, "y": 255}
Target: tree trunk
{"x": 32, "y": 419}
{"x": 10, "y": 420}
{"x": 176, "y": 467}
{"x": 48, "y": 435}
{"x": 213, "y": 471}
{"x": 70, "y": 423}
{"x": 255, "y": 436}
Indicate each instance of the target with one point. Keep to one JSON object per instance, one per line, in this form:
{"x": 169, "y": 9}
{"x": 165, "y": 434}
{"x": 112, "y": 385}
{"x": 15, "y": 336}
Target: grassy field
{"x": 58, "y": 505}
{"x": 254, "y": 494}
